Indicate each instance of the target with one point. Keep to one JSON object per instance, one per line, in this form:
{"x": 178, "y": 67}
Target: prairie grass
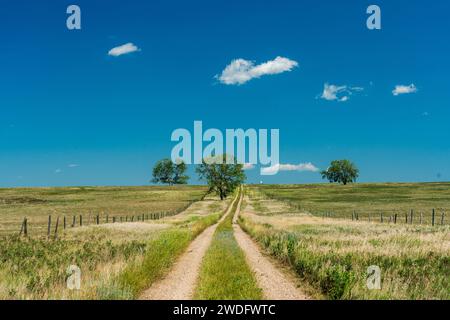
{"x": 116, "y": 260}
{"x": 374, "y": 200}
{"x": 224, "y": 273}
{"x": 38, "y": 203}
{"x": 333, "y": 254}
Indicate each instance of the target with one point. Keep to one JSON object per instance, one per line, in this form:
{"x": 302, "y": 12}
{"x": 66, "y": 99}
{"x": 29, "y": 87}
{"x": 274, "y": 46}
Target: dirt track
{"x": 179, "y": 283}
{"x": 277, "y": 284}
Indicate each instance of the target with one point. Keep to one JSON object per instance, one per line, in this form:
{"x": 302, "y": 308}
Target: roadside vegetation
{"x": 224, "y": 274}
{"x": 38, "y": 203}
{"x": 377, "y": 200}
{"x": 116, "y": 260}
{"x": 333, "y": 255}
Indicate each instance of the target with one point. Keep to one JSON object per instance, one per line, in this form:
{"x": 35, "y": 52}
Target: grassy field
{"x": 38, "y": 203}
{"x": 376, "y": 199}
{"x": 225, "y": 274}
{"x": 333, "y": 255}
{"x": 117, "y": 260}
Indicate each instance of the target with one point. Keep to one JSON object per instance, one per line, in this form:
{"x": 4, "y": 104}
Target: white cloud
{"x": 73, "y": 165}
{"x": 123, "y": 49}
{"x": 248, "y": 166}
{"x": 289, "y": 167}
{"x": 333, "y": 92}
{"x": 58, "y": 171}
{"x": 401, "y": 89}
{"x": 240, "y": 71}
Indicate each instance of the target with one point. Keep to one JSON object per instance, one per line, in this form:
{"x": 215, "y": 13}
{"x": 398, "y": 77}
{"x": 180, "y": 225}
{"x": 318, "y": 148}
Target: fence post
{"x": 23, "y": 229}
{"x": 74, "y": 221}
{"x": 97, "y": 218}
{"x": 369, "y": 217}
{"x": 395, "y": 218}
{"x": 64, "y": 222}
{"x": 442, "y": 218}
{"x": 432, "y": 217}
{"x": 56, "y": 226}
{"x": 49, "y": 225}
{"x": 81, "y": 220}
{"x": 143, "y": 217}
{"x": 411, "y": 216}
{"x": 381, "y": 217}
{"x": 406, "y": 218}
{"x": 421, "y": 217}
{"x": 107, "y": 218}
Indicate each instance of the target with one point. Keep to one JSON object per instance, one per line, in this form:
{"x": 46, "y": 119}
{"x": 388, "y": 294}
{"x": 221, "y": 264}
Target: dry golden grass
{"x": 333, "y": 254}
{"x": 38, "y": 203}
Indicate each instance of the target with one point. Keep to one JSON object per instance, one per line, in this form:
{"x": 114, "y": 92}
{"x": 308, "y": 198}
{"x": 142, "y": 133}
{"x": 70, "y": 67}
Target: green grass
{"x": 159, "y": 256}
{"x": 38, "y": 203}
{"x": 117, "y": 260}
{"x": 367, "y": 199}
{"x": 333, "y": 255}
{"x": 224, "y": 273}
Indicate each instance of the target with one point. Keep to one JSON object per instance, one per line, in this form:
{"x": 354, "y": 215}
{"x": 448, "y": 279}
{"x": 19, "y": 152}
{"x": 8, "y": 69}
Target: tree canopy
{"x": 341, "y": 171}
{"x": 222, "y": 177}
{"x": 167, "y": 172}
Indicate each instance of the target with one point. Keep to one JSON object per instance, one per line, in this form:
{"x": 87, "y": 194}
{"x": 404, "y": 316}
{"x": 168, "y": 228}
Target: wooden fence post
{"x": 97, "y": 218}
{"x": 411, "y": 216}
{"x": 107, "y": 218}
{"x": 442, "y": 218}
{"x": 421, "y": 217}
{"x": 74, "y": 221}
{"x": 395, "y": 218}
{"x": 81, "y": 220}
{"x": 24, "y": 228}
{"x": 432, "y": 217}
{"x": 114, "y": 219}
{"x": 381, "y": 217}
{"x": 64, "y": 222}
{"x": 49, "y": 225}
{"x": 406, "y": 218}
{"x": 56, "y": 226}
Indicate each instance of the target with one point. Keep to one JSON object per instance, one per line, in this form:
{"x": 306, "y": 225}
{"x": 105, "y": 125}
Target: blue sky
{"x": 73, "y": 115}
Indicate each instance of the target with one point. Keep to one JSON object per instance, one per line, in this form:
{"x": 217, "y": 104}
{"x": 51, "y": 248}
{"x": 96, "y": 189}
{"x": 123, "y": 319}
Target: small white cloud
{"x": 289, "y": 167}
{"x": 333, "y": 92}
{"x": 240, "y": 71}
{"x": 123, "y": 49}
{"x": 58, "y": 171}
{"x": 248, "y": 166}
{"x": 73, "y": 165}
{"x": 425, "y": 114}
{"x": 401, "y": 89}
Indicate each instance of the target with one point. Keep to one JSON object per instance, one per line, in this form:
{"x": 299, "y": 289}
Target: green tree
{"x": 222, "y": 177}
{"x": 167, "y": 172}
{"x": 341, "y": 171}
{"x": 179, "y": 176}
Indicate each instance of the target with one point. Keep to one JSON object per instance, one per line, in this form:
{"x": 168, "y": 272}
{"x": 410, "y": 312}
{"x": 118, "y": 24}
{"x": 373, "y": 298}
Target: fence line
{"x": 410, "y": 217}
{"x": 141, "y": 217}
